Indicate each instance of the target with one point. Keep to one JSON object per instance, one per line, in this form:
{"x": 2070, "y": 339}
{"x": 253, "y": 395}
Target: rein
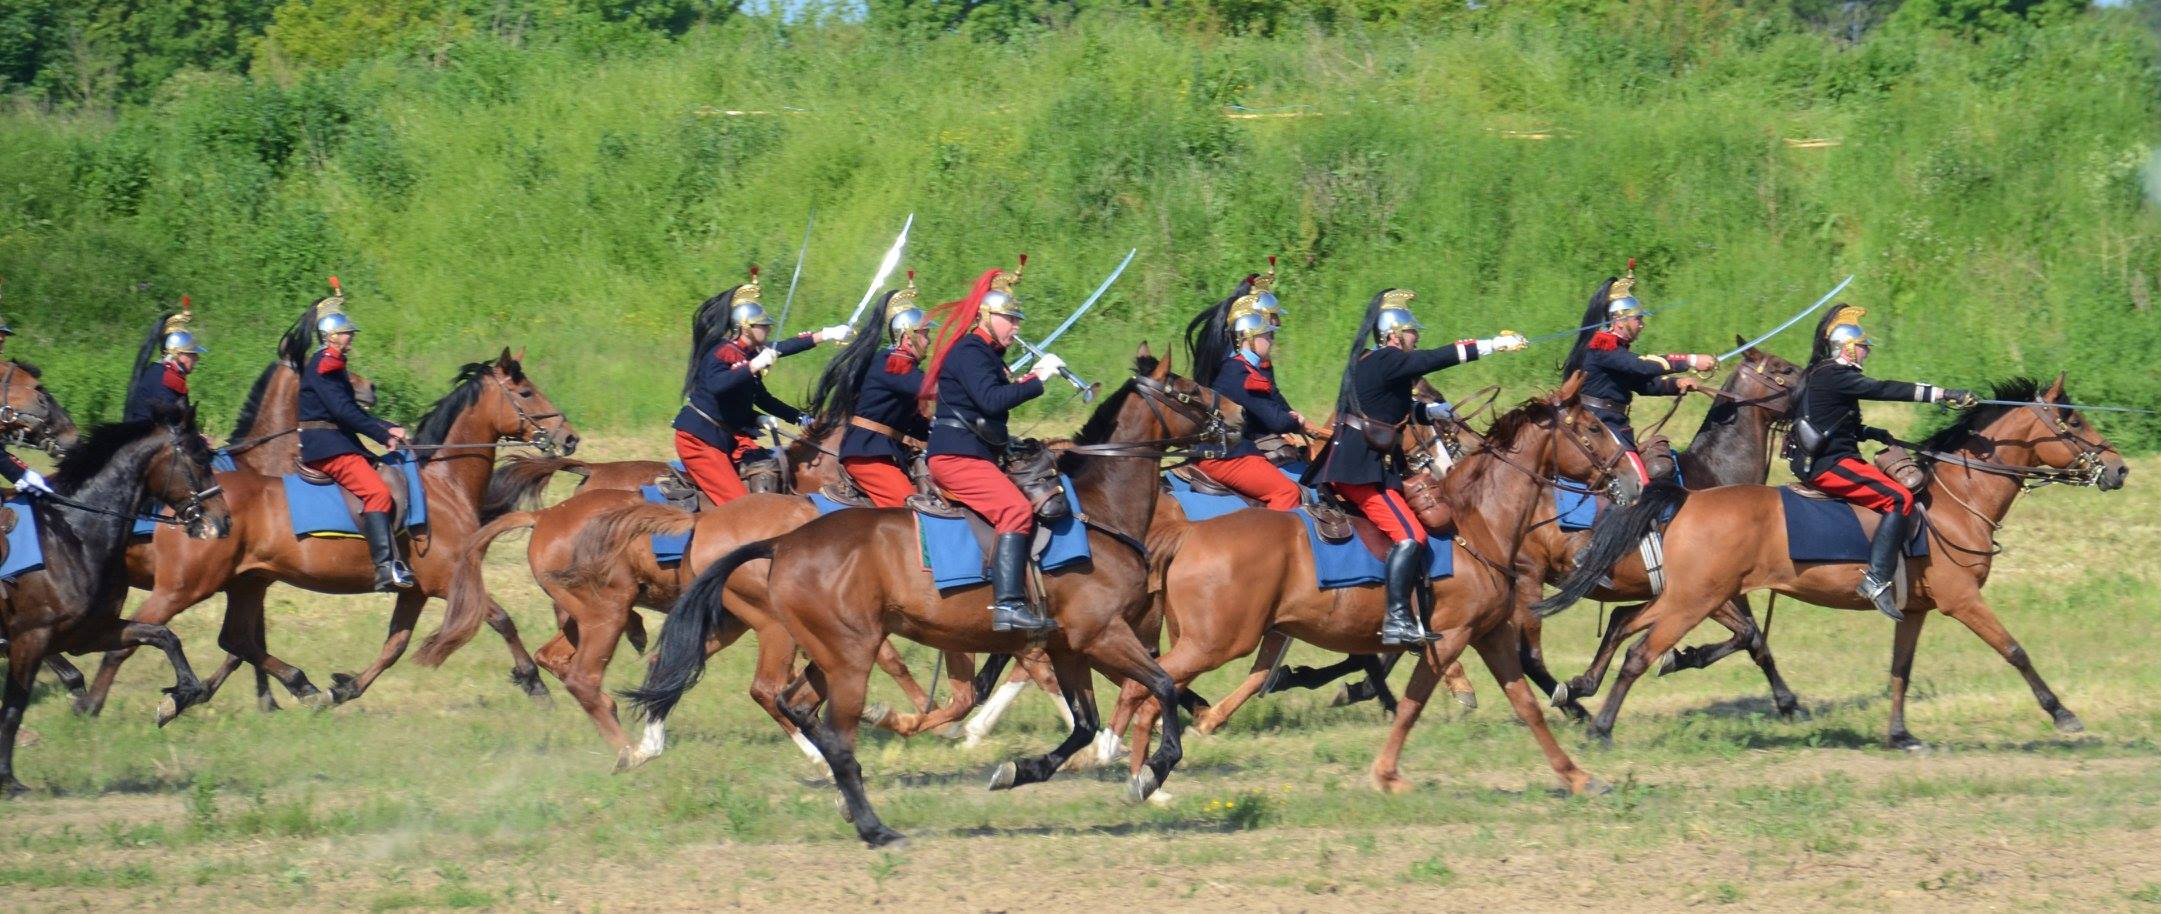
{"x": 1206, "y": 413}
{"x": 187, "y": 512}
{"x": 2085, "y": 470}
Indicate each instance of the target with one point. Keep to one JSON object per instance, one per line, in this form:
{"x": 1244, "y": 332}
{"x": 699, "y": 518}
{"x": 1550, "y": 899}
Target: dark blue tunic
{"x": 326, "y": 395}
{"x": 1253, "y": 388}
{"x": 1385, "y": 377}
{"x": 887, "y": 397}
{"x": 974, "y": 388}
{"x": 726, "y": 390}
{"x": 153, "y": 389}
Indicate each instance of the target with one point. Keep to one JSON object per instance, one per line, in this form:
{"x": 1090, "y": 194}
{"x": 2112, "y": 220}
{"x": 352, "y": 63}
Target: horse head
{"x": 1582, "y": 447}
{"x": 1764, "y": 380}
{"x": 179, "y": 475}
{"x": 1169, "y": 407}
{"x": 511, "y": 406}
{"x": 2042, "y": 436}
{"x": 29, "y": 410}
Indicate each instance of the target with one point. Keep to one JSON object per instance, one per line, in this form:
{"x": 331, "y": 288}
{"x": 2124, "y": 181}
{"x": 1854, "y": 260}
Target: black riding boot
{"x": 1010, "y": 609}
{"x": 1884, "y": 554}
{"x": 390, "y": 571}
{"x": 1402, "y": 626}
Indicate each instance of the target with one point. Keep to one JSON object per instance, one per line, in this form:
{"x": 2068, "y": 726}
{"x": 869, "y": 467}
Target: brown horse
{"x": 1237, "y": 577}
{"x": 1732, "y": 447}
{"x": 519, "y": 482}
{"x": 842, "y": 583}
{"x": 1732, "y": 540}
{"x": 28, "y": 412}
{"x": 72, "y": 603}
{"x": 457, "y": 442}
{"x": 590, "y": 554}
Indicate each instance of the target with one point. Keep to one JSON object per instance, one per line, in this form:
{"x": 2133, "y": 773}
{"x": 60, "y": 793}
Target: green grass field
{"x": 447, "y": 789}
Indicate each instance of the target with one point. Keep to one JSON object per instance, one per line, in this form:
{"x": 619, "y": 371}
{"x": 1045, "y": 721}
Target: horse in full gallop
{"x": 72, "y": 603}
{"x": 456, "y": 442}
{"x": 1238, "y": 577}
{"x": 843, "y": 582}
{"x": 1732, "y": 540}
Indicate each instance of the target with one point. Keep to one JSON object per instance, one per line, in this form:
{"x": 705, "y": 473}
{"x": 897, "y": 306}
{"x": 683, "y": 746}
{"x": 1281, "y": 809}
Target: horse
{"x": 456, "y": 441}
{"x": 1732, "y": 447}
{"x": 843, "y": 582}
{"x": 28, "y": 412}
{"x": 1732, "y": 540}
{"x": 519, "y": 482}
{"x": 589, "y": 553}
{"x": 1237, "y": 577}
{"x": 72, "y": 603}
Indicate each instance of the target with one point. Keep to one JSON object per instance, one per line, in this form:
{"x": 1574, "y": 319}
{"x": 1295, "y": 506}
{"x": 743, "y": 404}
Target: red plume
{"x": 911, "y": 277}
{"x": 334, "y": 287}
{"x": 957, "y": 318}
{"x": 1271, "y": 263}
{"x": 1631, "y": 266}
{"x": 1024, "y": 260}
{"x": 754, "y": 272}
{"x": 183, "y": 304}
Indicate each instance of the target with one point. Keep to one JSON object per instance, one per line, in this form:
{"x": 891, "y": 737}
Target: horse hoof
{"x": 1343, "y": 697}
{"x": 628, "y": 758}
{"x": 1669, "y": 662}
{"x": 319, "y": 700}
{"x": 1003, "y": 778}
{"x": 168, "y": 708}
{"x": 875, "y": 716}
{"x": 953, "y": 730}
{"x": 1391, "y": 783}
{"x": 12, "y": 788}
{"x": 1601, "y": 739}
{"x": 1906, "y": 743}
{"x": 1593, "y": 787}
{"x": 87, "y": 708}
{"x": 886, "y": 838}
{"x": 267, "y": 705}
{"x": 342, "y": 689}
{"x": 2067, "y": 722}
{"x": 1467, "y": 699}
{"x": 1561, "y": 695}
{"x": 1161, "y": 799}
{"x": 1141, "y": 786}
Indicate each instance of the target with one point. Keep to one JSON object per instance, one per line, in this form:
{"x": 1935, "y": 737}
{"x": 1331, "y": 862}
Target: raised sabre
{"x": 1077, "y": 312}
{"x": 1774, "y": 331}
{"x": 885, "y": 269}
{"x": 1087, "y": 390}
{"x": 800, "y": 250}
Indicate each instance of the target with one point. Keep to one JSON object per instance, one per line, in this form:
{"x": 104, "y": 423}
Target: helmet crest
{"x": 1000, "y": 299}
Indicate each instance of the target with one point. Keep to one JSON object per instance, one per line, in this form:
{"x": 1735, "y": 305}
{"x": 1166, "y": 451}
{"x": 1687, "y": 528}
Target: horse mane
{"x": 434, "y": 425}
{"x": 28, "y": 369}
{"x": 254, "y": 404}
{"x": 1097, "y": 429}
{"x": 2017, "y": 388}
{"x": 1511, "y": 423}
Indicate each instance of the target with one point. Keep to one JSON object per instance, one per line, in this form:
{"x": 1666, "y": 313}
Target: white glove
{"x": 832, "y": 334}
{"x": 1047, "y": 367}
{"x": 763, "y": 360}
{"x": 1506, "y": 342}
{"x": 1440, "y": 410}
{"x": 32, "y": 482}
{"x": 1702, "y": 362}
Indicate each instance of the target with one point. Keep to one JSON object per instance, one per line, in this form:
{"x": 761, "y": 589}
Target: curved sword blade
{"x": 1083, "y": 309}
{"x": 1774, "y": 331}
{"x": 780, "y": 328}
{"x": 2076, "y": 406}
{"x": 885, "y": 269}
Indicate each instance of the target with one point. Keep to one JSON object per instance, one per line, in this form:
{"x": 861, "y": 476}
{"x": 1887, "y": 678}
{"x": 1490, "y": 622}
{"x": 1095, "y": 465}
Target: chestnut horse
{"x": 456, "y": 441}
{"x": 843, "y": 582}
{"x": 72, "y": 603}
{"x": 1238, "y": 577}
{"x": 28, "y": 412}
{"x": 1732, "y": 540}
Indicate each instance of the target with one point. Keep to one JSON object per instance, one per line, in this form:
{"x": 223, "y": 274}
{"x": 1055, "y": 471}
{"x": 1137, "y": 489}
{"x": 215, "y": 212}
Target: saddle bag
{"x": 1034, "y": 470}
{"x": 1380, "y": 436}
{"x": 1423, "y": 493}
{"x": 1330, "y": 520}
{"x": 1900, "y": 464}
{"x": 1279, "y": 450}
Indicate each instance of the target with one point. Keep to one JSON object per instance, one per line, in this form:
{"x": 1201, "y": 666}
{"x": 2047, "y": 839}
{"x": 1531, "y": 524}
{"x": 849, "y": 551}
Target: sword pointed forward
{"x": 1101, "y": 288}
{"x": 1805, "y": 312}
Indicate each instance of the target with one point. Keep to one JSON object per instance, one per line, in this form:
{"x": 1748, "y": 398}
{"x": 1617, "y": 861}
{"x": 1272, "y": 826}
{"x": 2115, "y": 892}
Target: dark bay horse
{"x": 843, "y": 582}
{"x": 1732, "y": 540}
{"x": 28, "y": 412}
{"x": 72, "y": 604}
{"x": 456, "y": 439}
{"x": 1236, "y": 578}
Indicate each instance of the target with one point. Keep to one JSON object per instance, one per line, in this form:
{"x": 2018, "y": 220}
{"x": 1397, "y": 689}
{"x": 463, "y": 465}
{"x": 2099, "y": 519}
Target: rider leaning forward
{"x": 1613, "y": 376}
{"x": 164, "y": 384}
{"x": 886, "y": 425}
{"x": 1245, "y": 324}
{"x": 724, "y": 392}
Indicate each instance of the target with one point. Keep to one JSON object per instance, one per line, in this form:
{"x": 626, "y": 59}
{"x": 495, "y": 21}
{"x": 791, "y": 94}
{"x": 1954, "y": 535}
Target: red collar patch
{"x": 1605, "y": 339}
{"x": 176, "y": 381}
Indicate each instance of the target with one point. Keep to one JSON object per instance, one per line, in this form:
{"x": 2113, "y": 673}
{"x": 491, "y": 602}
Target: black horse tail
{"x": 1611, "y": 540}
{"x": 680, "y": 660}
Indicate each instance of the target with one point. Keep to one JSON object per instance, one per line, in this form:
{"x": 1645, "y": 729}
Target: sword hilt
{"x": 1087, "y": 390}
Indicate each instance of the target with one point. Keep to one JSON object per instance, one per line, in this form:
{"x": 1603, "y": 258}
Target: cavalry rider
{"x": 1613, "y": 376}
{"x": 1364, "y": 459}
{"x": 724, "y": 393}
{"x": 165, "y": 382}
{"x": 886, "y": 425}
{"x": 1247, "y": 320}
{"x": 1825, "y": 445}
{"x": 975, "y": 393}
{"x": 18, "y": 474}
{"x": 331, "y": 423}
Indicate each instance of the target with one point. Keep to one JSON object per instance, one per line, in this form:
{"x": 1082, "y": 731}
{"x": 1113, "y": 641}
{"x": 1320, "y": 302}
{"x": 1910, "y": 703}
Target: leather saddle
{"x": 392, "y": 477}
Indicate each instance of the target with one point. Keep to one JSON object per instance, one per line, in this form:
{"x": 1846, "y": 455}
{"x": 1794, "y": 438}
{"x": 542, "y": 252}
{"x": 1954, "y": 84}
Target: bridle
{"x": 185, "y": 514}
{"x": 1204, "y": 410}
{"x": 2085, "y": 469}
{"x": 541, "y": 437}
{"x": 1569, "y": 430}
{"x": 31, "y": 424}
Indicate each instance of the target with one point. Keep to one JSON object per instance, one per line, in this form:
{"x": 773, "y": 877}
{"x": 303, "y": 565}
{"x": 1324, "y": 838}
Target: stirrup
{"x": 393, "y": 577}
{"x": 1020, "y": 617}
{"x": 1879, "y": 592}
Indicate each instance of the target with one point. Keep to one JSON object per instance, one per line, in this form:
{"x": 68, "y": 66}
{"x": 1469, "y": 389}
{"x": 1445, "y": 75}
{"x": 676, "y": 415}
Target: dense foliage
{"x": 572, "y": 177}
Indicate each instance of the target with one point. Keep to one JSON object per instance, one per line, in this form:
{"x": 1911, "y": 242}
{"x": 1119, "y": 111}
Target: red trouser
{"x": 355, "y": 474}
{"x": 979, "y": 484}
{"x": 1859, "y": 482}
{"x": 1385, "y": 508}
{"x": 880, "y": 478}
{"x": 1254, "y": 477}
{"x": 711, "y": 469}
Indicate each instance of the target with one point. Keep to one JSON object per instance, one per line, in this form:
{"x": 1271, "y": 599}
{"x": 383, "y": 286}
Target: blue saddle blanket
{"x": 221, "y": 462}
{"x": 955, "y": 558}
{"x": 1826, "y": 530}
{"x": 25, "y": 555}
{"x": 319, "y": 510}
{"x": 668, "y": 548}
{"x": 1581, "y": 510}
{"x": 1335, "y": 565}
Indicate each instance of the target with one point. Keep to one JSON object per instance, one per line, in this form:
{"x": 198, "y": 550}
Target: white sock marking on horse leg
{"x": 656, "y": 739}
{"x": 986, "y": 717}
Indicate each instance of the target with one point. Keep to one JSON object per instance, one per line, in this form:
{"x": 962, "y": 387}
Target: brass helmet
{"x": 330, "y": 312}
{"x": 1000, "y": 298}
{"x": 1251, "y": 324}
{"x": 743, "y": 307}
{"x": 1844, "y": 330}
{"x": 1260, "y": 298}
{"x": 1621, "y": 300}
{"x": 905, "y": 317}
{"x": 178, "y": 339}
{"x": 1396, "y": 313}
